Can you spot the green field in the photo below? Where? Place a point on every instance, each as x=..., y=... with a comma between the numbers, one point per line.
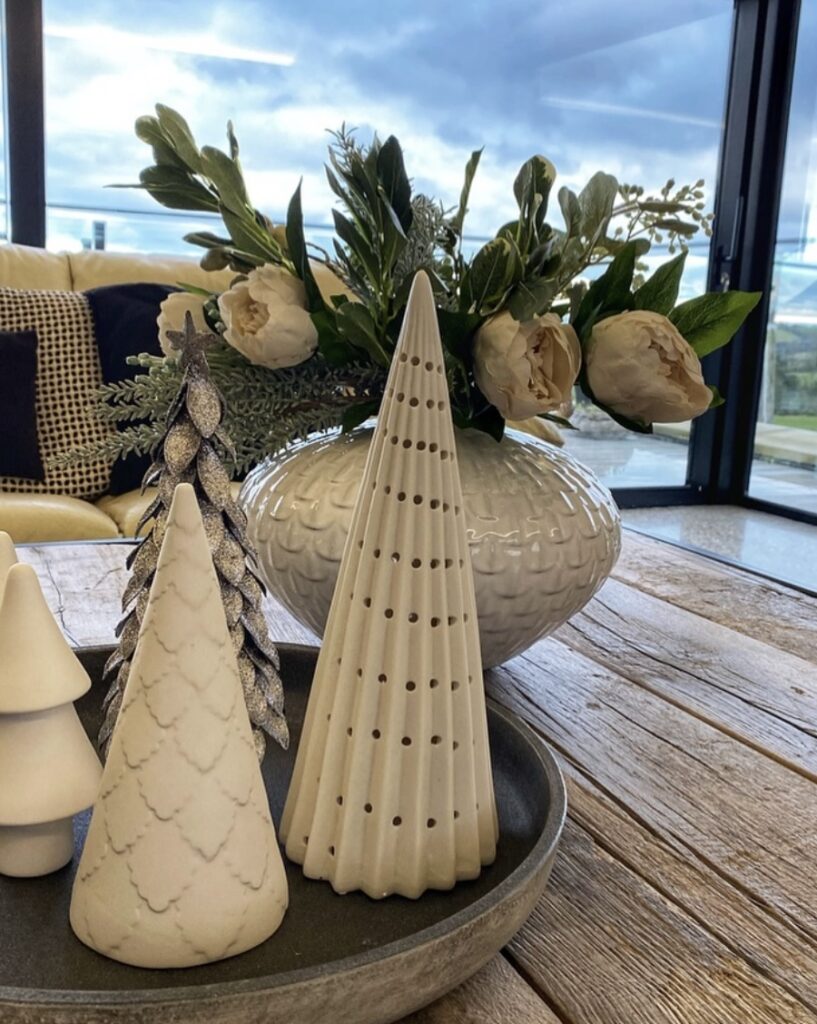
x=800, y=422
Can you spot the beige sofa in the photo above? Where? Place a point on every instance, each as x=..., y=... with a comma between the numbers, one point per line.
x=31, y=518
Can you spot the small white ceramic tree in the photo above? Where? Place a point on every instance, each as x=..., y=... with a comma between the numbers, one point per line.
x=392, y=790
x=49, y=770
x=8, y=558
x=181, y=865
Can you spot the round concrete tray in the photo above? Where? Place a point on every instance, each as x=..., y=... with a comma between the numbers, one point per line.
x=344, y=959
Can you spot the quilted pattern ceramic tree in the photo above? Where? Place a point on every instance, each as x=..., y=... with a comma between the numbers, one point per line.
x=392, y=790
x=181, y=865
x=49, y=770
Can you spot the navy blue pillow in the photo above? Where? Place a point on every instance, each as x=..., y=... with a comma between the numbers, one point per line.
x=19, y=443
x=125, y=324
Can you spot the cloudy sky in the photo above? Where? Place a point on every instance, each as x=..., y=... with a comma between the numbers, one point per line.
x=638, y=92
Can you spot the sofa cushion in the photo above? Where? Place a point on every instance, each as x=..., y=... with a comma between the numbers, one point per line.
x=19, y=446
x=22, y=266
x=67, y=375
x=125, y=325
x=37, y=518
x=92, y=269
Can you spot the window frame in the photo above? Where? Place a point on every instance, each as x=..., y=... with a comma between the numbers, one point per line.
x=750, y=174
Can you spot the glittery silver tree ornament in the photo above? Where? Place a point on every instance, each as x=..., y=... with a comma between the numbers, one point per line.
x=189, y=453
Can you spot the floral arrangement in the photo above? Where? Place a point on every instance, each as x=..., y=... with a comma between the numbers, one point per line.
x=306, y=336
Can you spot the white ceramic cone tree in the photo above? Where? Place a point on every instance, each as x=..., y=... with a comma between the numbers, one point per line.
x=392, y=790
x=181, y=865
x=8, y=558
x=49, y=770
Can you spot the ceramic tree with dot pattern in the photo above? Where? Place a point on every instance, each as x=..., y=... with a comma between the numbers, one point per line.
x=181, y=865
x=392, y=790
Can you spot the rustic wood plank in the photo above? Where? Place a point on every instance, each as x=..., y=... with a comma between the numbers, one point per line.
x=608, y=949
x=769, y=611
x=769, y=945
x=83, y=585
x=749, y=817
x=496, y=995
x=760, y=693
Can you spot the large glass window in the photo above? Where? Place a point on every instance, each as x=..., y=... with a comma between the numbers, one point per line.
x=641, y=97
x=785, y=454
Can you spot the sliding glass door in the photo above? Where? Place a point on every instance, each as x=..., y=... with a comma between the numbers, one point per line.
x=784, y=465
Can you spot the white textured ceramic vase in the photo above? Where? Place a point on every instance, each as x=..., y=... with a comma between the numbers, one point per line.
x=392, y=789
x=543, y=533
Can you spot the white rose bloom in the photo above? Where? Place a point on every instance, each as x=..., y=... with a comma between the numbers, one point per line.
x=526, y=368
x=266, y=318
x=171, y=318
x=640, y=366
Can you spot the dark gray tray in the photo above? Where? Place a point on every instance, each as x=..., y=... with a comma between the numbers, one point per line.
x=335, y=958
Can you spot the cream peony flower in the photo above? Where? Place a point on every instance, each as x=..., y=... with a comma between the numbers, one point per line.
x=171, y=318
x=266, y=319
x=640, y=366
x=526, y=368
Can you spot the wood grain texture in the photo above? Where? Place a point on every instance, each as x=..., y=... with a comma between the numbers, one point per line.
x=609, y=949
x=764, y=695
x=741, y=811
x=765, y=941
x=83, y=584
x=760, y=608
x=496, y=995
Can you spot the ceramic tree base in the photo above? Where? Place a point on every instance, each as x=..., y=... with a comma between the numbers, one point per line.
x=181, y=865
x=27, y=851
x=392, y=789
x=49, y=770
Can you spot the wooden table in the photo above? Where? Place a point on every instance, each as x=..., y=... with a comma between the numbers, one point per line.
x=683, y=706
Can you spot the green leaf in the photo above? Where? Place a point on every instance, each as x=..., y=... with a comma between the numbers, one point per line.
x=296, y=243
x=571, y=211
x=717, y=397
x=678, y=227
x=334, y=349
x=559, y=420
x=176, y=189
x=531, y=298
x=358, y=244
x=596, y=201
x=660, y=292
x=206, y=239
x=491, y=272
x=356, y=325
x=355, y=414
x=470, y=170
x=227, y=178
x=659, y=206
x=711, y=320
x=489, y=421
x=608, y=294
x=532, y=190
x=177, y=130
x=148, y=130
x=233, y=142
x=391, y=173
x=457, y=331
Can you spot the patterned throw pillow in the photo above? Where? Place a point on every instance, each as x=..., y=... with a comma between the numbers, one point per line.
x=67, y=375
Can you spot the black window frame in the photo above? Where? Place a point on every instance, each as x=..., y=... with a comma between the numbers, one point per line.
x=750, y=174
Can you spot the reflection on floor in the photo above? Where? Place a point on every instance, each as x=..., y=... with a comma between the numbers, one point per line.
x=643, y=460
x=772, y=545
